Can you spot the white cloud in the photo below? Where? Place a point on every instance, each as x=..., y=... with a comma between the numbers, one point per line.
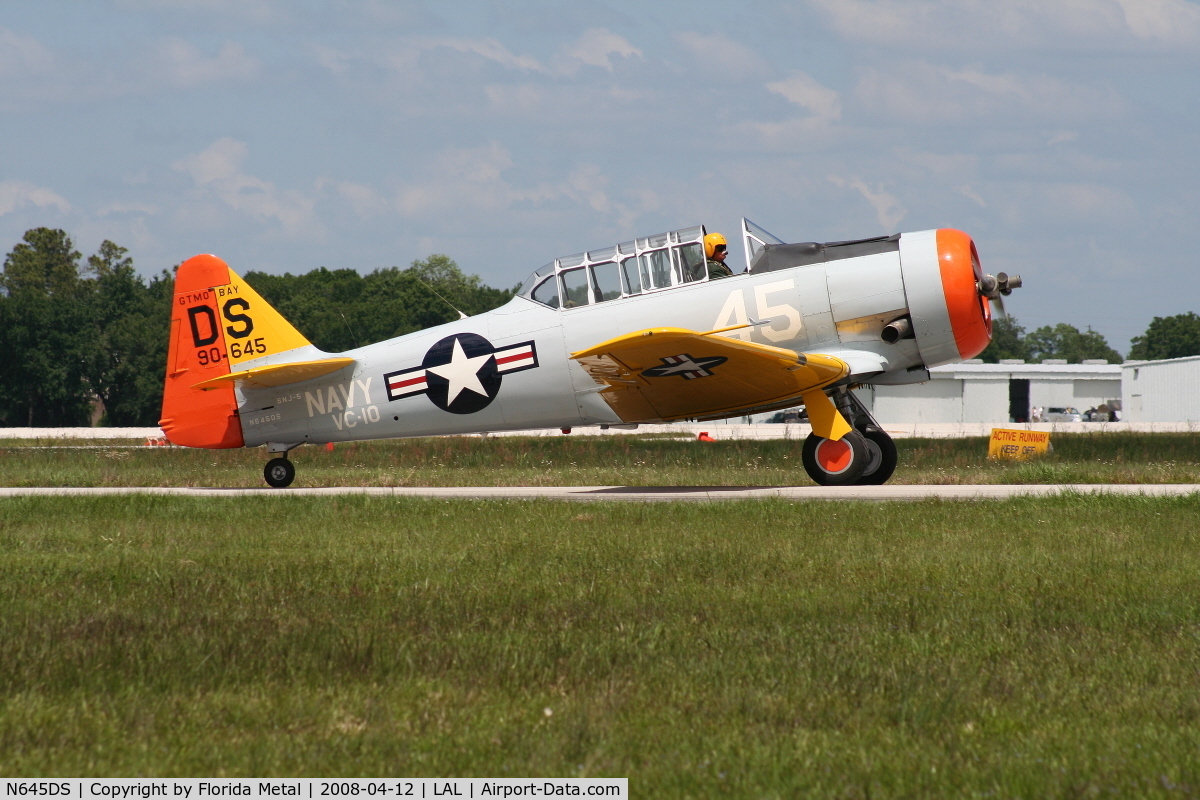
x=467, y=176
x=522, y=84
x=944, y=166
x=925, y=93
x=1170, y=21
x=221, y=160
x=129, y=230
x=595, y=48
x=984, y=24
x=824, y=107
x=19, y=194
x=718, y=54
x=126, y=208
x=888, y=210
x=184, y=65
x=217, y=173
x=331, y=59
x=641, y=201
x=459, y=180
x=514, y=97
x=489, y=49
x=1088, y=202
x=22, y=55
x=251, y=10
x=968, y=191
x=787, y=135
x=804, y=91
x=402, y=57
x=1061, y=137
x=478, y=165
x=477, y=179
x=587, y=184
x=364, y=200
x=32, y=75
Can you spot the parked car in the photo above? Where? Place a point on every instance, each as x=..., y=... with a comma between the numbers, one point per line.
x=1062, y=414
x=1105, y=413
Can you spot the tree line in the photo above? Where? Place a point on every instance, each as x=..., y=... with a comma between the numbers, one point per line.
x=1166, y=337
x=85, y=337
x=85, y=340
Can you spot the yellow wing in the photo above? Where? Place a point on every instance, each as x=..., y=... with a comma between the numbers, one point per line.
x=674, y=373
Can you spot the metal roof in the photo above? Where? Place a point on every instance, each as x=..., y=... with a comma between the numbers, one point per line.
x=968, y=371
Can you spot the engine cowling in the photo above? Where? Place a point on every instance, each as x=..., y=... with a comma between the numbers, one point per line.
x=951, y=316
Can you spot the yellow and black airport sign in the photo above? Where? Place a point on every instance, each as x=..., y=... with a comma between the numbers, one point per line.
x=1017, y=444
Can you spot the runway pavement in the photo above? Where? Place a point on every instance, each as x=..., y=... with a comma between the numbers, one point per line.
x=647, y=493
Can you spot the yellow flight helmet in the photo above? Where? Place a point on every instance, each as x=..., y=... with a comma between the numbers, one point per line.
x=710, y=243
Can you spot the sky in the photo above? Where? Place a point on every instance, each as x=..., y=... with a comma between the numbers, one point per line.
x=285, y=135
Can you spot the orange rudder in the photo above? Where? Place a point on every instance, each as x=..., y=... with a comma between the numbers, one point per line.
x=197, y=417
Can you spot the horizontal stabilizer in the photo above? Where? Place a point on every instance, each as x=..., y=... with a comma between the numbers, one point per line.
x=278, y=374
x=219, y=325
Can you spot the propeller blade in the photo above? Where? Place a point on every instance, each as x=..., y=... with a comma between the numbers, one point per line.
x=998, y=304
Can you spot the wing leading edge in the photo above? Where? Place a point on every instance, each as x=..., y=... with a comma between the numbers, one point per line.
x=673, y=373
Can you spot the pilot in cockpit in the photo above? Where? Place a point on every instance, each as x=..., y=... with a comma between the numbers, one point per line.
x=715, y=250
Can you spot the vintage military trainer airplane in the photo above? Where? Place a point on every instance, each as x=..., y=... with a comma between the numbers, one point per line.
x=645, y=331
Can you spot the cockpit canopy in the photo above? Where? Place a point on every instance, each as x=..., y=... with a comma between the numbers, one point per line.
x=647, y=264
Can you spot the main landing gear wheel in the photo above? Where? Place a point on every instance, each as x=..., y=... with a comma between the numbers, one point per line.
x=279, y=472
x=839, y=463
x=882, y=462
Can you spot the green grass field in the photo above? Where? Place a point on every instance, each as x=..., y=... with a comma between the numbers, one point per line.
x=1027, y=648
x=621, y=460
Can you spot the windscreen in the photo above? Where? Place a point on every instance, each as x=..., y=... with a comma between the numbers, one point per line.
x=754, y=239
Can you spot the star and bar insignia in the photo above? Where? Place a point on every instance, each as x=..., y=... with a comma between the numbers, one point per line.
x=461, y=373
x=685, y=366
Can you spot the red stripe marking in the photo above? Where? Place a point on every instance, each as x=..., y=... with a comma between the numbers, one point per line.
x=409, y=382
x=518, y=357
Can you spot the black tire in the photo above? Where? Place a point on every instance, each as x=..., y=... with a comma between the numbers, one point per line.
x=839, y=463
x=882, y=462
x=279, y=472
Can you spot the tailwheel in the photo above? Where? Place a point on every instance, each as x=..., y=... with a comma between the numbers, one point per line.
x=279, y=472
x=839, y=463
x=882, y=461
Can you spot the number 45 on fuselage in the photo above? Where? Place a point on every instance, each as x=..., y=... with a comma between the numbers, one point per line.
x=638, y=332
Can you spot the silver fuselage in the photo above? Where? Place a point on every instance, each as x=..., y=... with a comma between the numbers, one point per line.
x=824, y=308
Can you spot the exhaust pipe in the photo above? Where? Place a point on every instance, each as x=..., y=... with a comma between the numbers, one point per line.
x=897, y=329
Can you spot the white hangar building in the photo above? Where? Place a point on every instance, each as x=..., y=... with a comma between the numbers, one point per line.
x=1006, y=392
x=1161, y=391
x=1166, y=391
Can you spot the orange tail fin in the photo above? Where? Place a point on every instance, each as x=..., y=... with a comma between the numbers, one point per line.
x=194, y=417
x=218, y=323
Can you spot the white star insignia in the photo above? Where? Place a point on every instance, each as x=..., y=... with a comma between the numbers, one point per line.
x=462, y=373
x=687, y=365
